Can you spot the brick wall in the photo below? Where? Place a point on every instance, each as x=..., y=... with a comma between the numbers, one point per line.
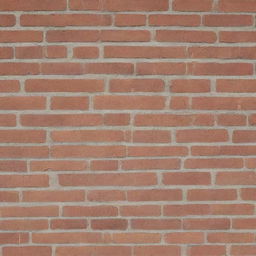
x=127, y=127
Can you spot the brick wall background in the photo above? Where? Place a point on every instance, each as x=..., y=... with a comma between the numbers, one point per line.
x=127, y=127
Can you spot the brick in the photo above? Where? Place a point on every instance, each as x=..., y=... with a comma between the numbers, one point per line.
x=90, y=250
x=63, y=20
x=225, y=20
x=104, y=165
x=190, y=86
x=92, y=211
x=55, y=51
x=237, y=6
x=156, y=224
x=9, y=86
x=52, y=165
x=244, y=249
x=151, y=136
x=6, y=52
x=192, y=5
x=13, y=238
x=29, y=52
x=151, y=164
x=7, y=20
x=207, y=224
x=22, y=103
x=22, y=136
x=185, y=36
x=34, y=211
x=88, y=52
x=12, y=181
x=106, y=195
x=163, y=250
x=135, y=238
x=13, y=166
x=109, y=68
x=9, y=196
x=129, y=20
x=53, y=196
x=241, y=223
x=18, y=69
x=244, y=136
x=87, y=151
x=144, y=52
x=236, y=86
x=69, y=103
x=125, y=36
x=45, y=120
x=174, y=20
x=187, y=178
x=21, y=36
x=66, y=238
x=231, y=120
x=116, y=119
x=200, y=250
x=250, y=163
x=237, y=36
x=118, y=179
x=214, y=163
x=232, y=209
x=22, y=224
x=143, y=210
x=211, y=194
x=225, y=237
x=218, y=69
x=184, y=238
x=248, y=193
x=24, y=152
x=27, y=250
x=109, y=224
x=68, y=224
x=7, y=120
x=72, y=36
x=160, y=68
x=236, y=178
x=154, y=195
x=128, y=102
x=88, y=135
x=186, y=210
x=179, y=102
x=84, y=5
x=64, y=85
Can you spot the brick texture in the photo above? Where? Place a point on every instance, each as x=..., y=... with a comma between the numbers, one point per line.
x=127, y=128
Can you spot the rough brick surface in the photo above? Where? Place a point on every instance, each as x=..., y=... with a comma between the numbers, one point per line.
x=127, y=127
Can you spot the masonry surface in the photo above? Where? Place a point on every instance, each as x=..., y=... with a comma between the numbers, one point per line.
x=127, y=128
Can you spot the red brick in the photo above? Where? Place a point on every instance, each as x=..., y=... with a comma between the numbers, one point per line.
x=128, y=102
x=128, y=20
x=237, y=36
x=151, y=136
x=29, y=52
x=13, y=238
x=106, y=195
x=86, y=52
x=156, y=224
x=22, y=136
x=70, y=103
x=12, y=181
x=109, y=68
x=244, y=136
x=9, y=196
x=187, y=178
x=174, y=20
x=63, y=20
x=142, y=210
x=22, y=224
x=104, y=165
x=45, y=120
x=113, y=179
x=7, y=20
x=201, y=250
x=163, y=250
x=56, y=51
x=135, y=238
x=223, y=20
x=184, y=238
x=125, y=36
x=154, y=195
x=160, y=68
x=186, y=210
x=52, y=165
x=231, y=120
x=24, y=152
x=144, y=52
x=225, y=237
x=109, y=224
x=236, y=178
x=211, y=194
x=13, y=166
x=9, y=86
x=14, y=36
x=53, y=196
x=190, y=86
x=90, y=250
x=244, y=223
x=188, y=36
x=206, y=224
x=232, y=209
x=27, y=250
x=18, y=69
x=248, y=193
x=218, y=69
x=64, y=85
x=72, y=36
x=7, y=120
x=68, y=224
x=117, y=119
x=6, y=52
x=92, y=211
x=237, y=5
x=34, y=211
x=84, y=5
x=193, y=5
x=245, y=250
x=236, y=85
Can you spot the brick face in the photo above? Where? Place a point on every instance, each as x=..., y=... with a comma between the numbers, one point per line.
x=127, y=127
